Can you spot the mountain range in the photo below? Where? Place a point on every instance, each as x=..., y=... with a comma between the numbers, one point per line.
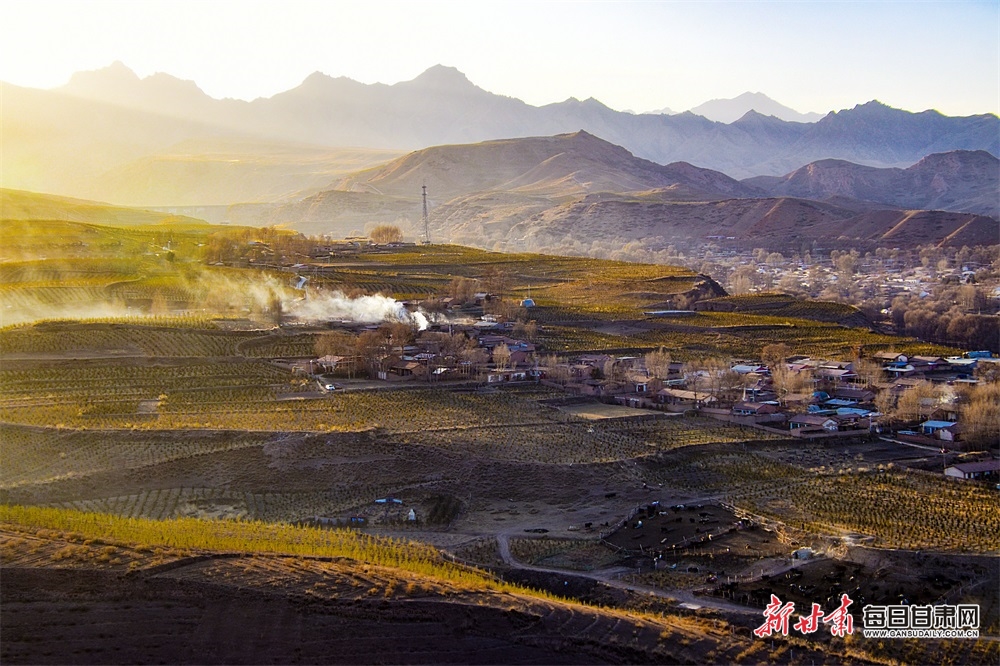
x=565, y=192
x=113, y=136
x=327, y=157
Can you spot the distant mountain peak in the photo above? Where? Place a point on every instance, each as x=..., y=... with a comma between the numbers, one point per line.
x=316, y=77
x=117, y=84
x=665, y=111
x=730, y=110
x=583, y=136
x=875, y=107
x=117, y=73
x=753, y=116
x=316, y=80
x=443, y=76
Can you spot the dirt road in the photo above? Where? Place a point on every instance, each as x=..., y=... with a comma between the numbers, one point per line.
x=611, y=578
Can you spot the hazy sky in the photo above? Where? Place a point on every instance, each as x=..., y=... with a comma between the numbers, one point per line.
x=810, y=55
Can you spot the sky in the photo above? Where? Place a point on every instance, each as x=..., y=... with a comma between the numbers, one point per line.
x=811, y=55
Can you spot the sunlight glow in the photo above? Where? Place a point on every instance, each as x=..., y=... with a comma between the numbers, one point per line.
x=812, y=56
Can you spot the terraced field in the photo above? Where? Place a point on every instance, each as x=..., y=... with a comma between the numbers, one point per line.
x=190, y=443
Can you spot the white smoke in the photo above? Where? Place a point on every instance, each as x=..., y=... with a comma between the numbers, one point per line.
x=328, y=306
x=222, y=294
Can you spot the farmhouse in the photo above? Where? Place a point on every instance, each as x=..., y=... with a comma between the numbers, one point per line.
x=753, y=408
x=747, y=369
x=681, y=397
x=973, y=470
x=637, y=381
x=891, y=357
x=927, y=363
x=854, y=395
x=932, y=427
x=503, y=376
x=950, y=434
x=812, y=423
x=835, y=374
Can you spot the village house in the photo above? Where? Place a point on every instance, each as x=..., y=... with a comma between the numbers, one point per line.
x=974, y=470
x=835, y=372
x=951, y=433
x=505, y=376
x=750, y=369
x=931, y=427
x=754, y=408
x=887, y=358
x=680, y=399
x=854, y=395
x=637, y=381
x=927, y=364
x=812, y=423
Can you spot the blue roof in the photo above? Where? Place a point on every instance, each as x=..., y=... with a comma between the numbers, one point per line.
x=853, y=411
x=938, y=424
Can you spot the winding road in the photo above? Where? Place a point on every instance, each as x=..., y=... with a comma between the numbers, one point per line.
x=611, y=578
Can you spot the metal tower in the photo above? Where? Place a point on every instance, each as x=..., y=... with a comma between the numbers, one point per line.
x=427, y=230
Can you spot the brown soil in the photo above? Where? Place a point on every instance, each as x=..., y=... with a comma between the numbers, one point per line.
x=273, y=609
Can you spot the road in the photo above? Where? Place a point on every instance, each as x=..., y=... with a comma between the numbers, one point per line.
x=611, y=578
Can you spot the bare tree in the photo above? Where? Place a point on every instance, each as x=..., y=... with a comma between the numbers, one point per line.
x=774, y=355
x=869, y=372
x=695, y=378
x=785, y=380
x=371, y=348
x=501, y=357
x=658, y=363
x=338, y=343
x=386, y=233
x=980, y=423
x=462, y=289
x=525, y=331
x=474, y=358
x=885, y=403
x=918, y=402
x=555, y=369
x=400, y=333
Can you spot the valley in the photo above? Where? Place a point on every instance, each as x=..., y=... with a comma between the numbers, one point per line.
x=491, y=503
x=420, y=373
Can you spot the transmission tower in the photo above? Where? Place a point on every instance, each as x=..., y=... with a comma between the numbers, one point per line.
x=427, y=229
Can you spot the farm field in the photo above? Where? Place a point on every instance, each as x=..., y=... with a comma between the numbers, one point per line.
x=408, y=608
x=173, y=401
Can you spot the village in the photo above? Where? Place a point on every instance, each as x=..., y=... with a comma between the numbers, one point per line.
x=920, y=401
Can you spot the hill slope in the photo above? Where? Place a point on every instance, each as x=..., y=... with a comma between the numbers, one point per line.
x=567, y=192
x=961, y=180
x=783, y=224
x=20, y=205
x=109, y=151
x=555, y=166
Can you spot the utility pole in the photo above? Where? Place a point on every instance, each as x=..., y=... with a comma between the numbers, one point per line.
x=427, y=231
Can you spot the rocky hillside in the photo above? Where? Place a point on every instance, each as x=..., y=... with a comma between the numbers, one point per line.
x=781, y=224
x=960, y=180
x=564, y=165
x=567, y=192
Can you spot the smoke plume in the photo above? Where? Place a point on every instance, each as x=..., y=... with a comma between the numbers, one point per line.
x=329, y=306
